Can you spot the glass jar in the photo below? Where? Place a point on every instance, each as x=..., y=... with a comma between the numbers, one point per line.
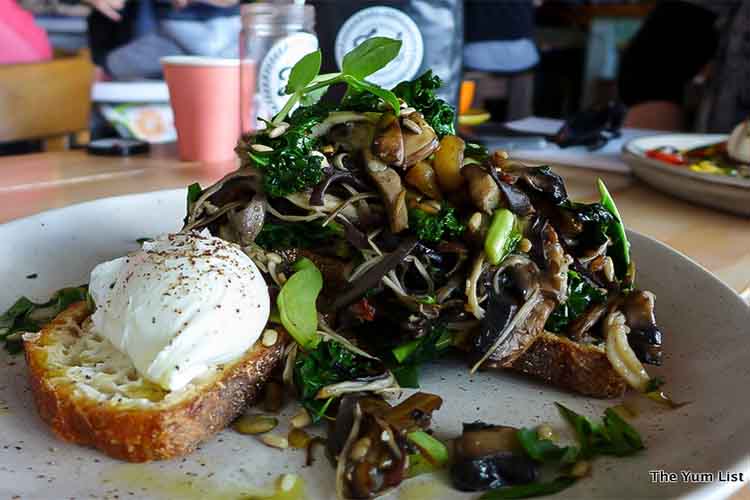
x=274, y=37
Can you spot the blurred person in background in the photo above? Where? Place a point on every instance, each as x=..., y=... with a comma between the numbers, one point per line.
x=127, y=38
x=21, y=40
x=679, y=41
x=499, y=41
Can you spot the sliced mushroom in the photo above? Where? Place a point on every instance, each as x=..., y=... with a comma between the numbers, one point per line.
x=419, y=146
x=422, y=176
x=391, y=189
x=248, y=222
x=582, y=325
x=369, y=440
x=352, y=137
x=483, y=190
x=645, y=338
x=388, y=143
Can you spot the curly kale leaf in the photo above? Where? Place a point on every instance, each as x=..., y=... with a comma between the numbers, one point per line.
x=420, y=94
x=289, y=167
x=27, y=316
x=432, y=228
x=581, y=295
x=329, y=363
x=295, y=235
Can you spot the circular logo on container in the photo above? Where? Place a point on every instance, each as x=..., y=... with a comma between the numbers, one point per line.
x=275, y=68
x=391, y=23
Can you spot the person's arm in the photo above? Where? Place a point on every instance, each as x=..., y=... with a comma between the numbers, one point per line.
x=674, y=43
x=110, y=8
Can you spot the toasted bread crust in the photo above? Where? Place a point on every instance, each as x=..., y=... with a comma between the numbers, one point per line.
x=570, y=365
x=140, y=435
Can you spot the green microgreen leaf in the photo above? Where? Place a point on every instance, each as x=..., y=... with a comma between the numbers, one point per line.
x=370, y=56
x=296, y=303
x=304, y=72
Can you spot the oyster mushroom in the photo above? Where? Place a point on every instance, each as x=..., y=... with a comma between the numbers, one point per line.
x=369, y=440
x=247, y=222
x=483, y=189
x=391, y=189
x=388, y=143
x=419, y=146
x=644, y=338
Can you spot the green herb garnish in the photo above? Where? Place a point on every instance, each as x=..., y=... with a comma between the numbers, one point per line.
x=296, y=235
x=328, y=363
x=613, y=436
x=421, y=95
x=28, y=316
x=581, y=296
x=530, y=490
x=432, y=228
x=296, y=303
x=414, y=353
x=620, y=245
x=306, y=84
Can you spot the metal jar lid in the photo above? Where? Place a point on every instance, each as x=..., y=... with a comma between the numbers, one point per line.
x=267, y=17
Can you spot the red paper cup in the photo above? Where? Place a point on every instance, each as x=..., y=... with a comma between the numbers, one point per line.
x=205, y=97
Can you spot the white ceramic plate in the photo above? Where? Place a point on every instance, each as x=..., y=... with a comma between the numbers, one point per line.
x=716, y=191
x=707, y=346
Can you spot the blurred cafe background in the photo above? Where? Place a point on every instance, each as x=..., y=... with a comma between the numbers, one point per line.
x=73, y=71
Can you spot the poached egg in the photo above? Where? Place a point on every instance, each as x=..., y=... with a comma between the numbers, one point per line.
x=180, y=306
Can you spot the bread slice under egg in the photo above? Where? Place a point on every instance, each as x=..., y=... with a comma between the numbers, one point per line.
x=91, y=394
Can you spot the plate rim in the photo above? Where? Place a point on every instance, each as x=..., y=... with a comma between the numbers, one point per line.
x=698, y=491
x=631, y=151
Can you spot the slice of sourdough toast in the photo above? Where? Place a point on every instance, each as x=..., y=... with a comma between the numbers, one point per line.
x=583, y=368
x=91, y=394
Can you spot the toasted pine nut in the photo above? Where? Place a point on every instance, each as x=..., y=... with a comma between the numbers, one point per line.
x=407, y=111
x=609, y=269
x=261, y=148
x=301, y=419
x=269, y=337
x=275, y=441
x=287, y=482
x=411, y=126
x=278, y=130
x=545, y=431
x=298, y=438
x=255, y=424
x=581, y=469
x=524, y=245
x=360, y=449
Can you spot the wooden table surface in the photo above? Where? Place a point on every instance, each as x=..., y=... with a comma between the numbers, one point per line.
x=33, y=183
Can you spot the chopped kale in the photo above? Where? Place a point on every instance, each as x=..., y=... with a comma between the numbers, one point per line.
x=421, y=95
x=432, y=228
x=581, y=295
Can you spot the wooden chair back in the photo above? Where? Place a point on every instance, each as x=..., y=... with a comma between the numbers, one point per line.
x=49, y=100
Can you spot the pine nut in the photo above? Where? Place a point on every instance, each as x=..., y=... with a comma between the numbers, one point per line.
x=275, y=441
x=301, y=419
x=407, y=111
x=359, y=449
x=580, y=469
x=278, y=130
x=269, y=337
x=255, y=424
x=261, y=148
x=609, y=269
x=545, y=431
x=298, y=438
x=287, y=482
x=411, y=125
x=524, y=245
